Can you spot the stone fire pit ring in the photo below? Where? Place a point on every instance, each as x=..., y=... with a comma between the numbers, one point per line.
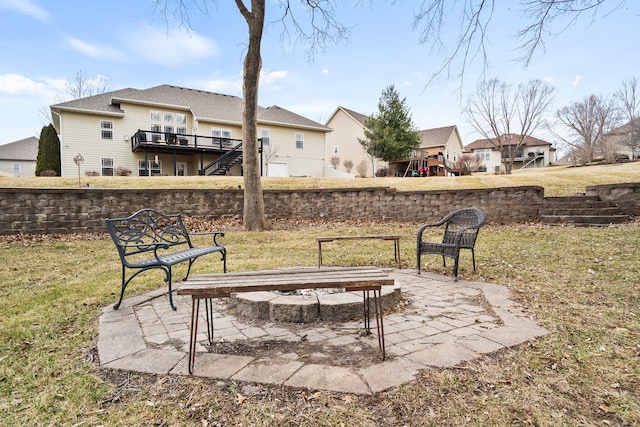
x=333, y=307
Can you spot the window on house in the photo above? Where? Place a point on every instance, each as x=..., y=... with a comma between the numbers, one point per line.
x=156, y=116
x=152, y=168
x=265, y=134
x=181, y=119
x=155, y=136
x=181, y=130
x=221, y=136
x=16, y=169
x=299, y=140
x=106, y=129
x=107, y=166
x=168, y=117
x=483, y=154
x=335, y=149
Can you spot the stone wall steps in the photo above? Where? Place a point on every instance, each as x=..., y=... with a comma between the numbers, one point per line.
x=585, y=211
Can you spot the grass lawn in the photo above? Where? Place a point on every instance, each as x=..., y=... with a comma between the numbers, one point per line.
x=559, y=180
x=582, y=284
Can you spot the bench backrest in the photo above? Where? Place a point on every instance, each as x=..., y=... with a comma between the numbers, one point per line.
x=143, y=230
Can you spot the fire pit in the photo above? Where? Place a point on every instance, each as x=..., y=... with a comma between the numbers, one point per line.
x=308, y=306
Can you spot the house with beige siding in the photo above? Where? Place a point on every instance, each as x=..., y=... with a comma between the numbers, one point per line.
x=438, y=154
x=439, y=149
x=344, y=142
x=175, y=131
x=19, y=158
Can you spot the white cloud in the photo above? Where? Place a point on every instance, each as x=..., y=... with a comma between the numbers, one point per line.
x=92, y=50
x=232, y=86
x=577, y=80
x=26, y=7
x=325, y=71
x=270, y=77
x=16, y=83
x=173, y=48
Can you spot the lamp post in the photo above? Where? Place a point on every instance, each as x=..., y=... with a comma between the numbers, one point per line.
x=78, y=160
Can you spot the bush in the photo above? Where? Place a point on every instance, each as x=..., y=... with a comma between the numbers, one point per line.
x=48, y=152
x=123, y=171
x=48, y=172
x=92, y=173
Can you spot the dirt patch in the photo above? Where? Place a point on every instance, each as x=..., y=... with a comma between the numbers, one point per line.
x=354, y=355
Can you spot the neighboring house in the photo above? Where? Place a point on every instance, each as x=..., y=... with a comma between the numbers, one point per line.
x=623, y=141
x=176, y=131
x=343, y=142
x=439, y=150
x=534, y=153
x=19, y=158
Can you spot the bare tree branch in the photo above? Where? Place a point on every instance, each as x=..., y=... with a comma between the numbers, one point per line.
x=475, y=16
x=322, y=29
x=492, y=109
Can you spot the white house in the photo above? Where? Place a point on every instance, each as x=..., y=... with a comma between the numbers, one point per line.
x=176, y=131
x=19, y=158
x=533, y=153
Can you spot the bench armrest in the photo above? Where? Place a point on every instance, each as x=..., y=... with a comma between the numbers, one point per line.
x=215, y=235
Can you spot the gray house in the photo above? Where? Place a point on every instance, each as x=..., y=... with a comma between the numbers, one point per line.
x=19, y=158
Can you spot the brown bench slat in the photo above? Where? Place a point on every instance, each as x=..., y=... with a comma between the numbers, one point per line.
x=211, y=285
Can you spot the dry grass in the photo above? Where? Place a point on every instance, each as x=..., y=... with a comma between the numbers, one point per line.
x=583, y=285
x=555, y=180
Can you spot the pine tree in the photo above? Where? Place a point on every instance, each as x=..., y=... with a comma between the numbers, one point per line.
x=48, y=151
x=390, y=134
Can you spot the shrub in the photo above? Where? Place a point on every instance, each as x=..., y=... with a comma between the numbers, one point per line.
x=48, y=172
x=91, y=173
x=123, y=171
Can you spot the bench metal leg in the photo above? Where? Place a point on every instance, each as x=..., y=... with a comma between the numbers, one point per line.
x=195, y=311
x=377, y=296
x=377, y=301
x=208, y=304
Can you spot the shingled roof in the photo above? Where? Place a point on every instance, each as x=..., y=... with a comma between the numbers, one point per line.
x=529, y=141
x=202, y=104
x=437, y=137
x=24, y=149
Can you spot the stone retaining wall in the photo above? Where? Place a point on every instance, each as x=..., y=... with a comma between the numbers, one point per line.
x=626, y=196
x=38, y=211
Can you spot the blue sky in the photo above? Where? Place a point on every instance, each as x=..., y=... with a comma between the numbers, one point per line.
x=45, y=43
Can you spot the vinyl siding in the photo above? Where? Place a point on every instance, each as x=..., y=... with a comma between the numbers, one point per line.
x=308, y=161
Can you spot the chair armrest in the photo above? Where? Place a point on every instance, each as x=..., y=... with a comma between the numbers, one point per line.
x=424, y=227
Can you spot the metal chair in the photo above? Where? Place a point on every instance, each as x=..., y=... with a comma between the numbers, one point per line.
x=460, y=232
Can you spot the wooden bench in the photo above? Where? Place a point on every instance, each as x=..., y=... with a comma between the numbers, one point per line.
x=394, y=239
x=210, y=286
x=149, y=232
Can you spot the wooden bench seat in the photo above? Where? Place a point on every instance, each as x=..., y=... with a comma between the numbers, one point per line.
x=210, y=286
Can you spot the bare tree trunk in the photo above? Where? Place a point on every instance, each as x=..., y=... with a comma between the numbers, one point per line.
x=254, y=215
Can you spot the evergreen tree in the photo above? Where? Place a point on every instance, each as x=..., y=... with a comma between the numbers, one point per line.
x=390, y=134
x=48, y=151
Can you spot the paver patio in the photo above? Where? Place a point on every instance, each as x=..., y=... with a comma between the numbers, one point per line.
x=444, y=324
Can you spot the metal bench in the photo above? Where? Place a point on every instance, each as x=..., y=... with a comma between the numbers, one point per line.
x=287, y=279
x=149, y=232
